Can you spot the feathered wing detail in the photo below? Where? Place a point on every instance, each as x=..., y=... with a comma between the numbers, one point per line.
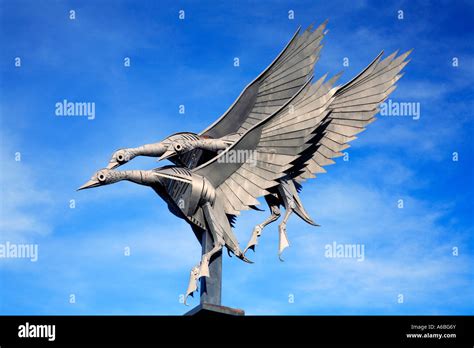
x=267, y=149
x=353, y=108
x=277, y=84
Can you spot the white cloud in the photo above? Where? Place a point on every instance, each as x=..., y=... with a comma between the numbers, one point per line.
x=24, y=206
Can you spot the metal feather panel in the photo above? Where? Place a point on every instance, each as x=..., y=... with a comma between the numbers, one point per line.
x=273, y=157
x=352, y=109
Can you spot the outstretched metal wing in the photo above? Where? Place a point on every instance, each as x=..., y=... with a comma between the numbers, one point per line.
x=254, y=163
x=273, y=87
x=352, y=109
x=302, y=136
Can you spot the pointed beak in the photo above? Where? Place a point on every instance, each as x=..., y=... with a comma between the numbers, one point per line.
x=91, y=183
x=167, y=154
x=112, y=164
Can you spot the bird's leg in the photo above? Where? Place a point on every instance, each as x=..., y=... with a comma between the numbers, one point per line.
x=283, y=239
x=202, y=269
x=217, y=237
x=206, y=258
x=286, y=192
x=257, y=231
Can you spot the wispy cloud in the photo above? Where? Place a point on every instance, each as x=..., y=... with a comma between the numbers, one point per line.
x=24, y=206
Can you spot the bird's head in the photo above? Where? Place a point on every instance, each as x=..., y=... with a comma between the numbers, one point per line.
x=120, y=157
x=177, y=148
x=154, y=177
x=178, y=144
x=100, y=178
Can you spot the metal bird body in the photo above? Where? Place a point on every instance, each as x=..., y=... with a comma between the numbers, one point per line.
x=187, y=149
x=190, y=197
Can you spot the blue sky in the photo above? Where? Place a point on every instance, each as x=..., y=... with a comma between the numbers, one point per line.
x=408, y=251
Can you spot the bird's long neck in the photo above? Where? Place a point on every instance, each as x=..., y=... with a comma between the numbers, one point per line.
x=212, y=144
x=151, y=150
x=142, y=177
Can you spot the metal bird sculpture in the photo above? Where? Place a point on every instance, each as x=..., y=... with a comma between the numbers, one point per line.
x=289, y=129
x=277, y=84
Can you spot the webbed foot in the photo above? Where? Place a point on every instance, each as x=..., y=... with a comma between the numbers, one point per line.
x=283, y=240
x=257, y=232
x=193, y=283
